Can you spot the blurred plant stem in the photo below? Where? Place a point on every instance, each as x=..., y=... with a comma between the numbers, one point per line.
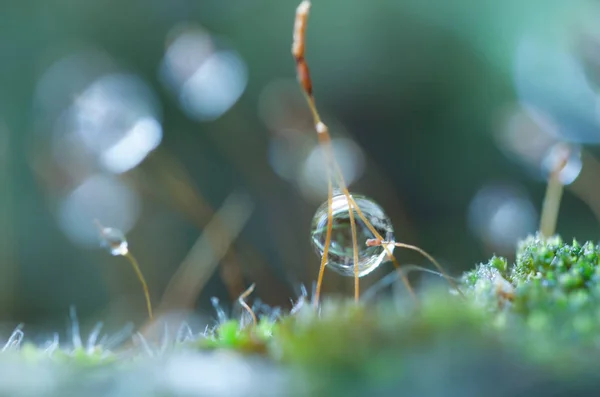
x=205, y=255
x=189, y=200
x=136, y=267
x=182, y=194
x=243, y=146
x=554, y=192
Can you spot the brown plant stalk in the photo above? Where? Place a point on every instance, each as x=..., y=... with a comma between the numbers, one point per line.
x=332, y=167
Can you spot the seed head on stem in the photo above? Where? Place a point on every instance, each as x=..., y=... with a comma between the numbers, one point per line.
x=115, y=242
x=332, y=167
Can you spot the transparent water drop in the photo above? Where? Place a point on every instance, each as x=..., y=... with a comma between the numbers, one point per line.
x=114, y=240
x=340, y=257
x=567, y=156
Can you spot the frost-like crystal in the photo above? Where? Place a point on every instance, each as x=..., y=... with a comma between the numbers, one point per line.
x=341, y=253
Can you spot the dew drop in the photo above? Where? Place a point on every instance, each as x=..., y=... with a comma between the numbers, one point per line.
x=114, y=241
x=567, y=156
x=341, y=253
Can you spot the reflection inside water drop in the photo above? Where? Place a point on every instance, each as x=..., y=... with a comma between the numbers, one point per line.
x=341, y=253
x=114, y=241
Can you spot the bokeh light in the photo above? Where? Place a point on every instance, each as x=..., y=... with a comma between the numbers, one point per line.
x=281, y=106
x=102, y=198
x=143, y=137
x=287, y=151
x=526, y=141
x=565, y=157
x=313, y=181
x=101, y=119
x=72, y=70
x=207, y=79
x=500, y=214
x=115, y=118
x=551, y=80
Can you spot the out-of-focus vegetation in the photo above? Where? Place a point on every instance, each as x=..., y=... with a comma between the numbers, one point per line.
x=551, y=291
x=524, y=322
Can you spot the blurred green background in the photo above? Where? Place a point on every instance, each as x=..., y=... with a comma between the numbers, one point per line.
x=148, y=115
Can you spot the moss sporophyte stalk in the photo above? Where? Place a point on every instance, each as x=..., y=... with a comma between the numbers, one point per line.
x=552, y=286
x=358, y=222
x=115, y=242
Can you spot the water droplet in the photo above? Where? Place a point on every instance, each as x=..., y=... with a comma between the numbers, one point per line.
x=114, y=240
x=341, y=252
x=567, y=156
x=207, y=78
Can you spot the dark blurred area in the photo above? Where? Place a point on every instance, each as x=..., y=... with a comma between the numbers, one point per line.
x=152, y=116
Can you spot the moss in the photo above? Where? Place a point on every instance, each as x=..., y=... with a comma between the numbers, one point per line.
x=322, y=339
x=231, y=335
x=550, y=296
x=539, y=314
x=534, y=319
x=354, y=350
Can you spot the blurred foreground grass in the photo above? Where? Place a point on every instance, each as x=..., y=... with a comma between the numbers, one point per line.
x=530, y=328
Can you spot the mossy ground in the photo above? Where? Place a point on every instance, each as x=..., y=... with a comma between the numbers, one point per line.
x=528, y=328
x=550, y=295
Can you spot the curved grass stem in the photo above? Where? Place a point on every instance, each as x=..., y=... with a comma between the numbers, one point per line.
x=242, y=301
x=138, y=272
x=383, y=243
